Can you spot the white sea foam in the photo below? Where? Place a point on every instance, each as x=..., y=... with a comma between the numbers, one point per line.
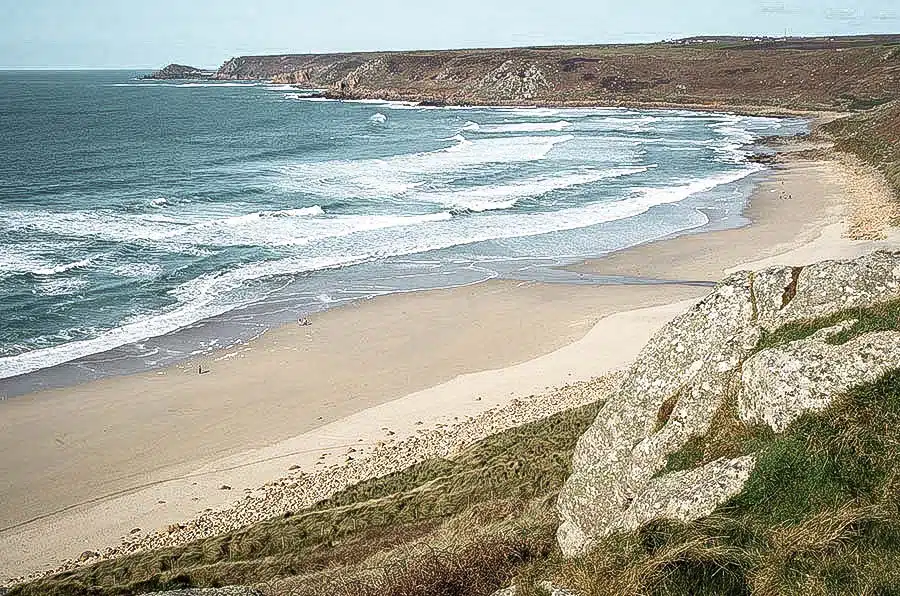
x=305, y=97
x=532, y=112
x=514, y=127
x=58, y=287
x=201, y=300
x=505, y=196
x=735, y=134
x=383, y=102
x=63, y=267
x=183, y=85
x=217, y=293
x=160, y=202
x=188, y=85
x=378, y=118
x=100, y=224
x=396, y=175
x=281, y=233
x=20, y=261
x=137, y=270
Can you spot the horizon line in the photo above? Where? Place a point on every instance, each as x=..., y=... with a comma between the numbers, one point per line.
x=768, y=36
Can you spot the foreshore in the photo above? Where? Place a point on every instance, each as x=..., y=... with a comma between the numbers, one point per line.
x=375, y=386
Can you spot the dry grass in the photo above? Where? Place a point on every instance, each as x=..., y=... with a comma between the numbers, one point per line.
x=874, y=137
x=417, y=519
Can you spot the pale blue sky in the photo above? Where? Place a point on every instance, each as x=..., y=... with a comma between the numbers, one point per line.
x=151, y=33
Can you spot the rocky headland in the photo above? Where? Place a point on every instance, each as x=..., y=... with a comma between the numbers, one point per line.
x=180, y=71
x=787, y=74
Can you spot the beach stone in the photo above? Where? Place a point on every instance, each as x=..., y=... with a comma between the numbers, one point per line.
x=686, y=371
x=88, y=555
x=548, y=587
x=780, y=384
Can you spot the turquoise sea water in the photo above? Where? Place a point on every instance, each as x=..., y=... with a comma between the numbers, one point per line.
x=144, y=221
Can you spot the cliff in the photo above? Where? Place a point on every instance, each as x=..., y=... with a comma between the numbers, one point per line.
x=819, y=74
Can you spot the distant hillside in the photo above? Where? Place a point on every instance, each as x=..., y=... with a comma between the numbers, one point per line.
x=800, y=73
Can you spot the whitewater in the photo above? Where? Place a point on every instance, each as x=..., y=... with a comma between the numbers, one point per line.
x=143, y=222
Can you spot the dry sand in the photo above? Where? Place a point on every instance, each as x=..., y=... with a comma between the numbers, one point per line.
x=83, y=466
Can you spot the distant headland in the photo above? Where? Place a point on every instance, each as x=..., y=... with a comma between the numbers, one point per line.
x=821, y=73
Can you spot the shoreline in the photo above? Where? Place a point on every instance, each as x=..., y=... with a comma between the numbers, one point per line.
x=193, y=338
x=566, y=337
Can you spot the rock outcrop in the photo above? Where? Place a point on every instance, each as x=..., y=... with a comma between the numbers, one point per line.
x=179, y=71
x=693, y=365
x=781, y=384
x=548, y=587
x=514, y=79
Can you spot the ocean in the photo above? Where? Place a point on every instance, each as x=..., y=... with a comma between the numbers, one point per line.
x=142, y=222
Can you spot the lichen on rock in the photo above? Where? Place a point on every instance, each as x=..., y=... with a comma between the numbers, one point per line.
x=616, y=458
x=780, y=384
x=697, y=361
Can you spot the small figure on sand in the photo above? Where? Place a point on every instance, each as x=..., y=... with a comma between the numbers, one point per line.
x=201, y=371
x=304, y=322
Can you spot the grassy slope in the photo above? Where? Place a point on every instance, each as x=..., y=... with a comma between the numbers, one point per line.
x=874, y=137
x=820, y=515
x=494, y=481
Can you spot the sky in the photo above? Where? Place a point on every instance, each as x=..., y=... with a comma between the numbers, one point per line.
x=148, y=34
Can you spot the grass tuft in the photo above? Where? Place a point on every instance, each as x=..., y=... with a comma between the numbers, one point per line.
x=881, y=317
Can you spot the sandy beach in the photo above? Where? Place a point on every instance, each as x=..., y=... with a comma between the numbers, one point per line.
x=394, y=379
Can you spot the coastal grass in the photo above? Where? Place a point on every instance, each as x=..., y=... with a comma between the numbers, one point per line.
x=508, y=481
x=874, y=137
x=820, y=515
x=879, y=317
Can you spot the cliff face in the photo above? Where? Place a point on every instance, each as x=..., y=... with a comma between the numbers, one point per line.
x=874, y=137
x=834, y=73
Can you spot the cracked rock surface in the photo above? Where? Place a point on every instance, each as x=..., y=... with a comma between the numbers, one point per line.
x=684, y=375
x=780, y=384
